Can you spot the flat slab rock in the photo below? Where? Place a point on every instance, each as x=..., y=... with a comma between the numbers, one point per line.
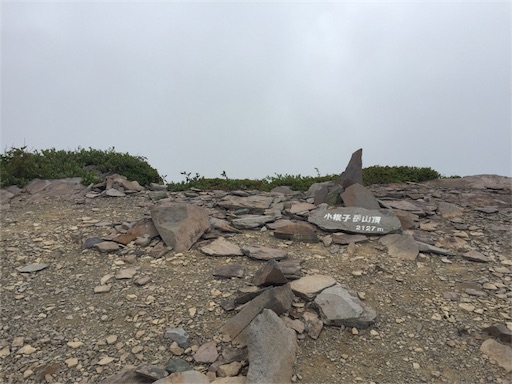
x=338, y=307
x=222, y=247
x=355, y=220
x=308, y=287
x=264, y=253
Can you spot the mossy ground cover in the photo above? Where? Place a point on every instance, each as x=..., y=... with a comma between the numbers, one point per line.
x=18, y=166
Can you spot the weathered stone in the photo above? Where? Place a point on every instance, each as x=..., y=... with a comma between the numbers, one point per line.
x=344, y=239
x=178, y=335
x=180, y=225
x=448, y=210
x=354, y=172
x=230, y=380
x=355, y=220
x=151, y=372
x=358, y=196
x=143, y=228
x=269, y=274
x=107, y=246
x=493, y=209
x=222, y=247
x=475, y=256
x=338, y=307
x=308, y=287
x=278, y=299
x=296, y=324
x=230, y=370
x=252, y=221
x=401, y=246
x=126, y=375
x=142, y=280
x=229, y=270
x=112, y=192
x=500, y=353
x=118, y=180
x=126, y=273
x=104, y=288
x=186, y=377
x=298, y=231
x=255, y=204
x=260, y=252
x=178, y=365
x=408, y=220
x=313, y=324
x=207, y=353
x=91, y=242
x=268, y=364
x=427, y=248
x=403, y=205
x=291, y=268
x=500, y=331
x=249, y=293
x=35, y=267
x=222, y=225
x=297, y=208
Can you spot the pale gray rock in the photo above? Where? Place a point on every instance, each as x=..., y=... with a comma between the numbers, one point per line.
x=297, y=231
x=126, y=273
x=308, y=287
x=30, y=268
x=112, y=192
x=357, y=195
x=107, y=246
x=345, y=239
x=180, y=224
x=313, y=325
x=338, y=307
x=401, y=246
x=207, y=353
x=448, y=210
x=500, y=353
x=252, y=221
x=427, y=248
x=222, y=225
x=297, y=208
x=475, y=256
x=291, y=268
x=222, y=247
x=268, y=364
x=261, y=252
x=255, y=204
x=355, y=220
x=179, y=335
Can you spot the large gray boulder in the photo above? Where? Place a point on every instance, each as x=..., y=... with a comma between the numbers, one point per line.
x=180, y=224
x=272, y=347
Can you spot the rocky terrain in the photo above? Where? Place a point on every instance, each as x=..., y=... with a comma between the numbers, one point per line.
x=80, y=303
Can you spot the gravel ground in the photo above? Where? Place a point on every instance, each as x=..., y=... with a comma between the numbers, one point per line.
x=56, y=329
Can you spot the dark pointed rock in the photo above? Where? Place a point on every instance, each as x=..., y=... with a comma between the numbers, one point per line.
x=354, y=172
x=278, y=299
x=180, y=224
x=269, y=274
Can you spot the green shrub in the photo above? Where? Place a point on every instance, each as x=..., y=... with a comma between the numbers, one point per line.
x=385, y=174
x=19, y=166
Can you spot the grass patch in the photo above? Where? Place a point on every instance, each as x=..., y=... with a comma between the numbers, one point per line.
x=19, y=166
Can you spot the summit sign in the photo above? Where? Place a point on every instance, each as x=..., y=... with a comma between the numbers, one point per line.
x=355, y=220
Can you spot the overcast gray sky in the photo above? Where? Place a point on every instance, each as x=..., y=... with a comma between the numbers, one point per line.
x=261, y=88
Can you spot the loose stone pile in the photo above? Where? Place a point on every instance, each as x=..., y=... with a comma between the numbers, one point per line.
x=280, y=303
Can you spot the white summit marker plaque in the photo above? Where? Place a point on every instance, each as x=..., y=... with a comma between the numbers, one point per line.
x=356, y=220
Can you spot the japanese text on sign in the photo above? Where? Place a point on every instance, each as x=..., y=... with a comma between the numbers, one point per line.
x=353, y=218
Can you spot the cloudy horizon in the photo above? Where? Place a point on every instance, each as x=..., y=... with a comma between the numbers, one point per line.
x=255, y=89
